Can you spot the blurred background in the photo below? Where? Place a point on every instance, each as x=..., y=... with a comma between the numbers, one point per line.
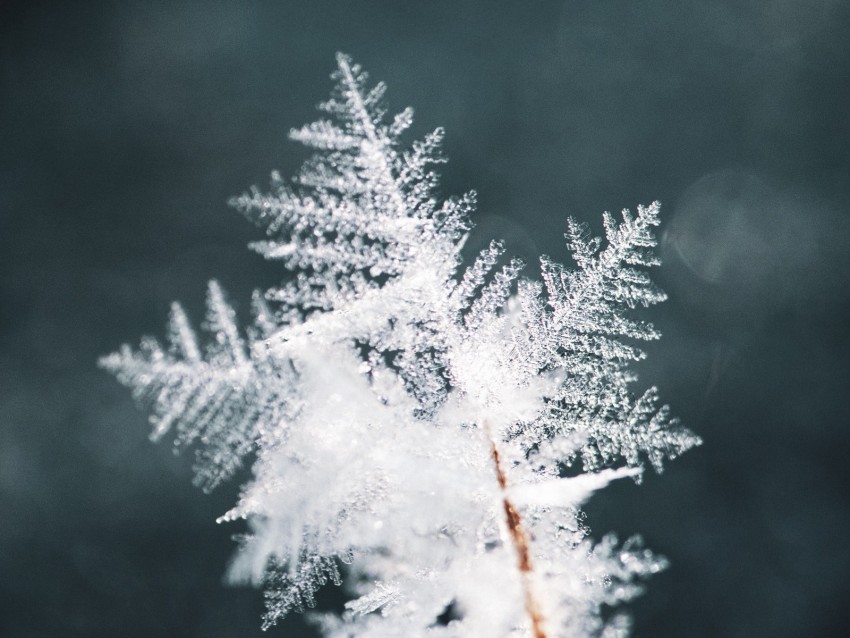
x=125, y=127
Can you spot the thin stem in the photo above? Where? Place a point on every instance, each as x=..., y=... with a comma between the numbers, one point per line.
x=519, y=539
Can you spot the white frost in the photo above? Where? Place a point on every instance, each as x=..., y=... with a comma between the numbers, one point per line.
x=412, y=422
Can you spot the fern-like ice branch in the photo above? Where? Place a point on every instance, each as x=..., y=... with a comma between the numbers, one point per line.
x=411, y=418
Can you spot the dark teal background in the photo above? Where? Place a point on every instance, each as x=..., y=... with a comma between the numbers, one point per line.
x=125, y=127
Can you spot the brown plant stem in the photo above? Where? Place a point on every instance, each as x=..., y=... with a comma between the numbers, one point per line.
x=519, y=539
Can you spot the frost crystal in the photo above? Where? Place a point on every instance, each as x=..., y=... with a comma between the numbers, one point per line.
x=413, y=424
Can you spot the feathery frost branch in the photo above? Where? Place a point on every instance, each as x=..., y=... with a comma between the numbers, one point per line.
x=412, y=422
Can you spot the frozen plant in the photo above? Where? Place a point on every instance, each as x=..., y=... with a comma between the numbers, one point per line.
x=423, y=431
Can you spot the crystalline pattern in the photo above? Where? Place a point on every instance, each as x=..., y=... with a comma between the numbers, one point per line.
x=410, y=419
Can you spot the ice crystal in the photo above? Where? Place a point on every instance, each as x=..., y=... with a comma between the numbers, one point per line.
x=413, y=423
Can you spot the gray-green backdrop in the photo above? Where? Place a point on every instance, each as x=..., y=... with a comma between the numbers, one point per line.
x=124, y=128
